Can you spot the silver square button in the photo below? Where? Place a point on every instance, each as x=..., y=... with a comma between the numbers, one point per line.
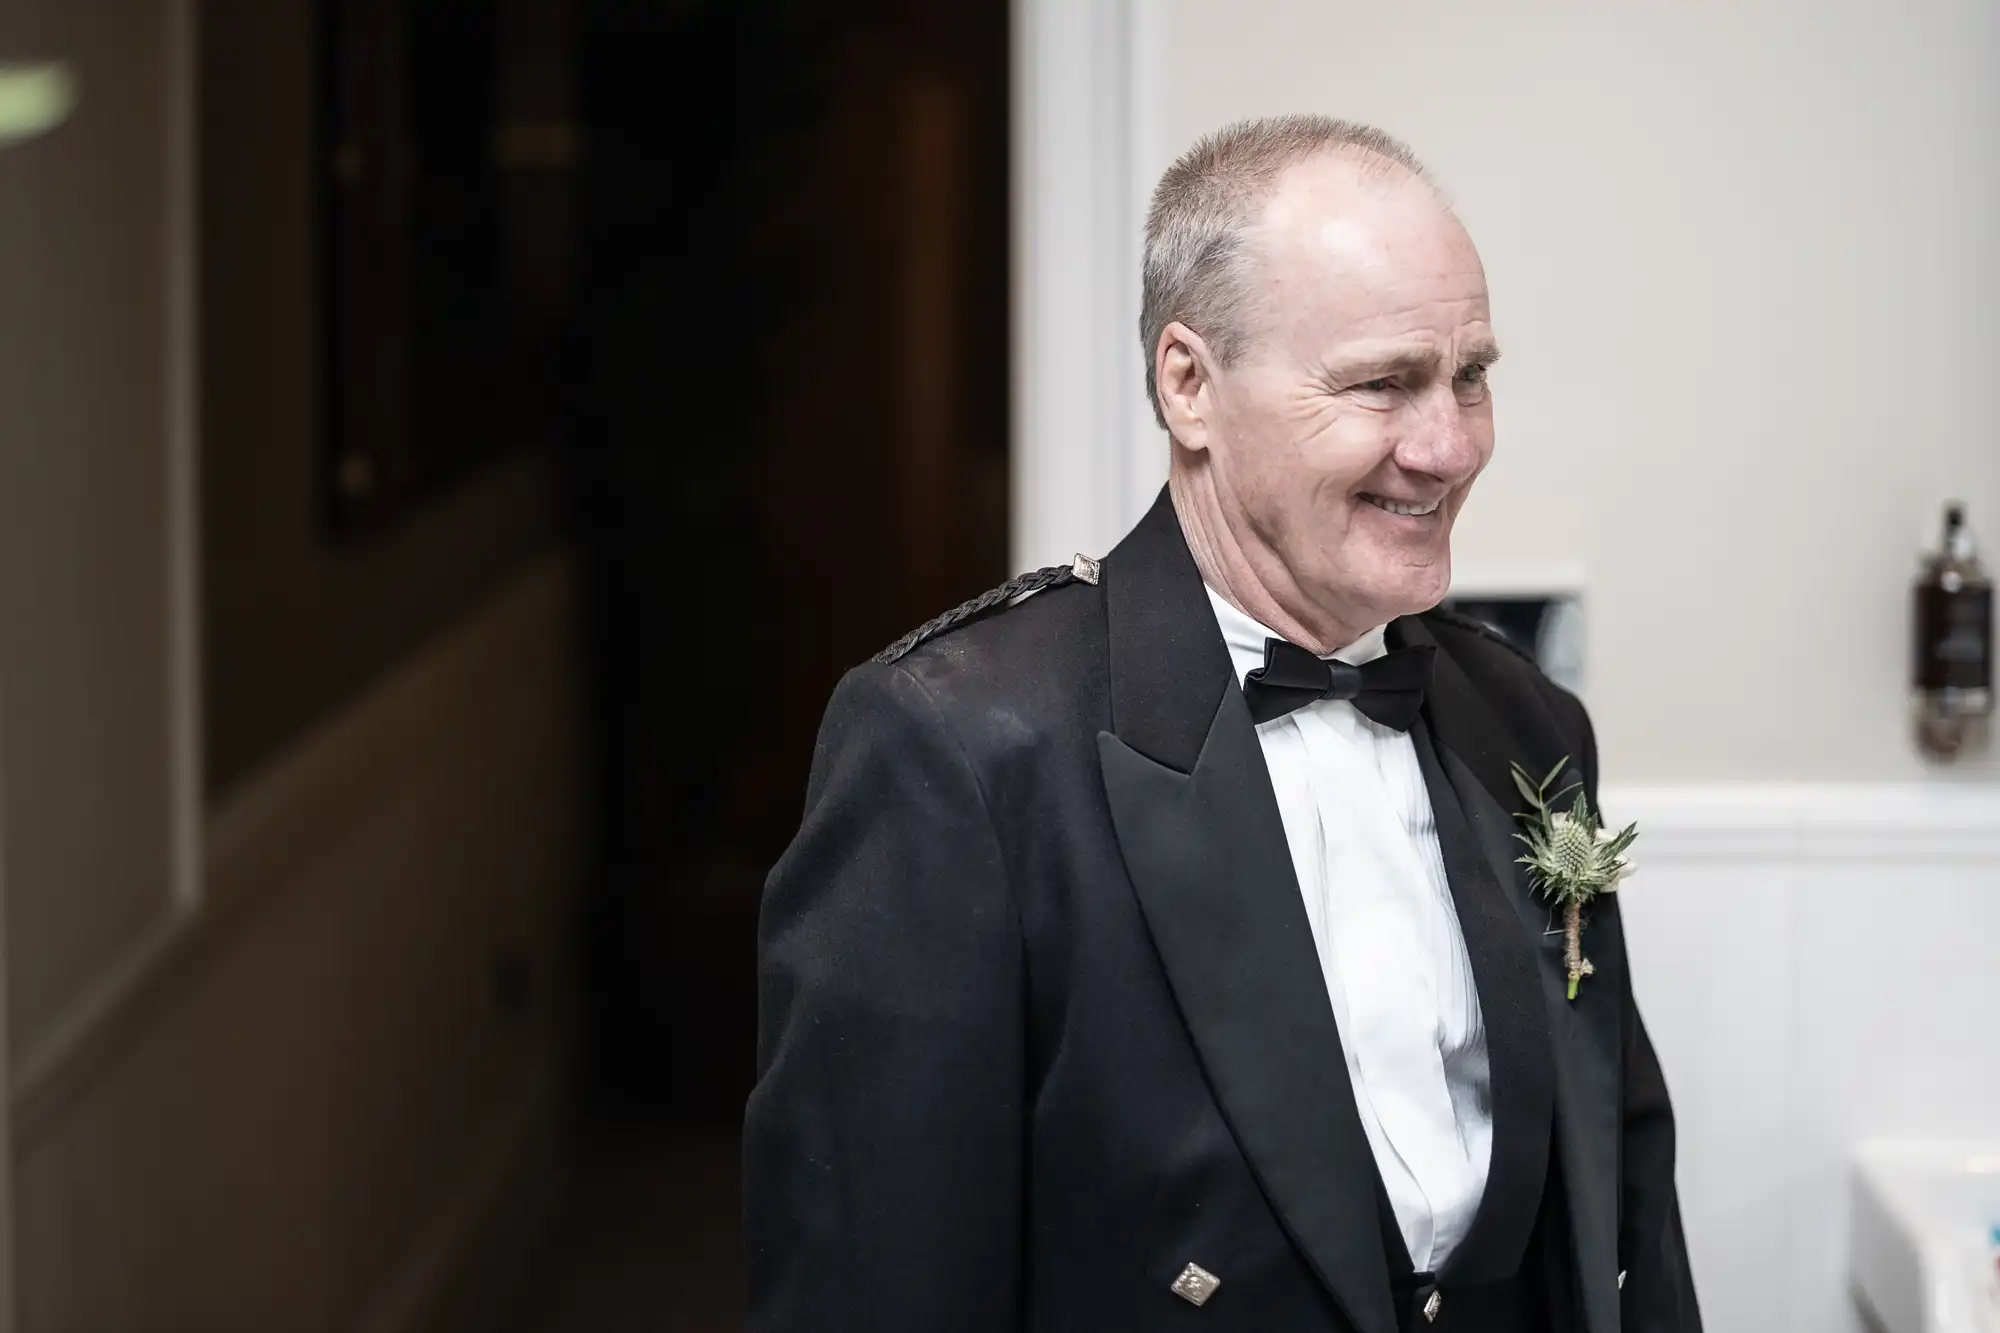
x=1196, y=1284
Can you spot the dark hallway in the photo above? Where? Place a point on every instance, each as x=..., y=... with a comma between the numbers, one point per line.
x=791, y=445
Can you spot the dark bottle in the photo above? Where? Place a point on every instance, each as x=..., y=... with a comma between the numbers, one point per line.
x=1953, y=672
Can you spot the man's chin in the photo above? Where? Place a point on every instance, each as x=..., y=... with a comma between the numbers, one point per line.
x=1406, y=596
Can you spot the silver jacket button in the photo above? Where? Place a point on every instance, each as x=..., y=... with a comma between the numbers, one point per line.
x=1195, y=1285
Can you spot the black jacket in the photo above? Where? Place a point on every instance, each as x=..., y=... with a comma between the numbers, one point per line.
x=1042, y=1020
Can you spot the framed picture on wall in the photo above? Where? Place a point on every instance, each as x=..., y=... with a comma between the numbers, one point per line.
x=446, y=154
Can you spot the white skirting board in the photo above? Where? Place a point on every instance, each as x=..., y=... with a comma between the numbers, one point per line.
x=1817, y=966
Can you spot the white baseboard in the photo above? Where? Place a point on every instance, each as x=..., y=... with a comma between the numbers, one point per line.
x=1905, y=823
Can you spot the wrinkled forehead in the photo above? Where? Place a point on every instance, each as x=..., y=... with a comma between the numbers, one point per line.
x=1334, y=246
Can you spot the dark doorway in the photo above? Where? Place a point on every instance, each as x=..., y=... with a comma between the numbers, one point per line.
x=793, y=447
x=795, y=443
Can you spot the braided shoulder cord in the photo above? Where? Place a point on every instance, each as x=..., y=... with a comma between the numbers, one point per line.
x=1053, y=576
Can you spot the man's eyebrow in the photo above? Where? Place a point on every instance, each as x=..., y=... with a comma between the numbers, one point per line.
x=1381, y=357
x=1384, y=359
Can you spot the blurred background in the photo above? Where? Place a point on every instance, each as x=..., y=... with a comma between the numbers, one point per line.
x=450, y=448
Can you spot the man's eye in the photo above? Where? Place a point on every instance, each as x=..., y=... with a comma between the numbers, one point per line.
x=1377, y=386
x=1474, y=374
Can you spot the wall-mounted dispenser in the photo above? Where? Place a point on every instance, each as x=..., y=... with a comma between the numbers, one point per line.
x=1953, y=671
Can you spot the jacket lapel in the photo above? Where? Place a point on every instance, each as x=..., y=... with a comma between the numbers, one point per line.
x=1205, y=849
x=1474, y=748
x=1502, y=950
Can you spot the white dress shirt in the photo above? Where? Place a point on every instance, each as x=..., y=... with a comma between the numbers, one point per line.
x=1364, y=842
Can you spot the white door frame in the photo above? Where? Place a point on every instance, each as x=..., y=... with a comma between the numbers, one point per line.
x=1087, y=457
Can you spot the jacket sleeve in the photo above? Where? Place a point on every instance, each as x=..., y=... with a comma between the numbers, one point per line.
x=883, y=1142
x=1658, y=1292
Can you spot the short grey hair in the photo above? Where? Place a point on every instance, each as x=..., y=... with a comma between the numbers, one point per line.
x=1195, y=269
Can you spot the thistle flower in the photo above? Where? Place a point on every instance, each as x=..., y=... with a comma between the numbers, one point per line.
x=1571, y=857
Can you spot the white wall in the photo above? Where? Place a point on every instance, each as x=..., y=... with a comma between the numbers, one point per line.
x=1743, y=267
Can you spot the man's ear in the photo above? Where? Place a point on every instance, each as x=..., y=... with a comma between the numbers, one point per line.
x=1183, y=378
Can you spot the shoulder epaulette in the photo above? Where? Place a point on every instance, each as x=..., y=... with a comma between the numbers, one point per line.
x=1081, y=570
x=1485, y=631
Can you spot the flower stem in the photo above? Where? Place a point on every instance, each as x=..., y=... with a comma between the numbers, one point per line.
x=1579, y=966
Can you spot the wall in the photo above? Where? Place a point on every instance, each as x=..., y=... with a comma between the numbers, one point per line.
x=296, y=1062
x=298, y=1109
x=295, y=625
x=94, y=715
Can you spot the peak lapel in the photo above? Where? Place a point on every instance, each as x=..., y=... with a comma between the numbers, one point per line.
x=1503, y=951
x=1474, y=746
x=1205, y=849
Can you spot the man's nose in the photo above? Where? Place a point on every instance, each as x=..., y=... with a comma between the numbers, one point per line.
x=1440, y=442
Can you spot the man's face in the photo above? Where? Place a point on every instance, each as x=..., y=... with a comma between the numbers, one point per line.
x=1348, y=433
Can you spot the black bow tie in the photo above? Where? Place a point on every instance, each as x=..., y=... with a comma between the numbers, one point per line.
x=1388, y=690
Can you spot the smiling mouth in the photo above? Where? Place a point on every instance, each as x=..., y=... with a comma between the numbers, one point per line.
x=1404, y=508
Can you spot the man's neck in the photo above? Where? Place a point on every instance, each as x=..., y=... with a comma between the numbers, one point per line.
x=1257, y=584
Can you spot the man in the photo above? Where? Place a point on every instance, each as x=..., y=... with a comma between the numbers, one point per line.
x=1135, y=967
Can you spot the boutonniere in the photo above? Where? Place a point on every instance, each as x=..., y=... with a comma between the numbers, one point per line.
x=1571, y=857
